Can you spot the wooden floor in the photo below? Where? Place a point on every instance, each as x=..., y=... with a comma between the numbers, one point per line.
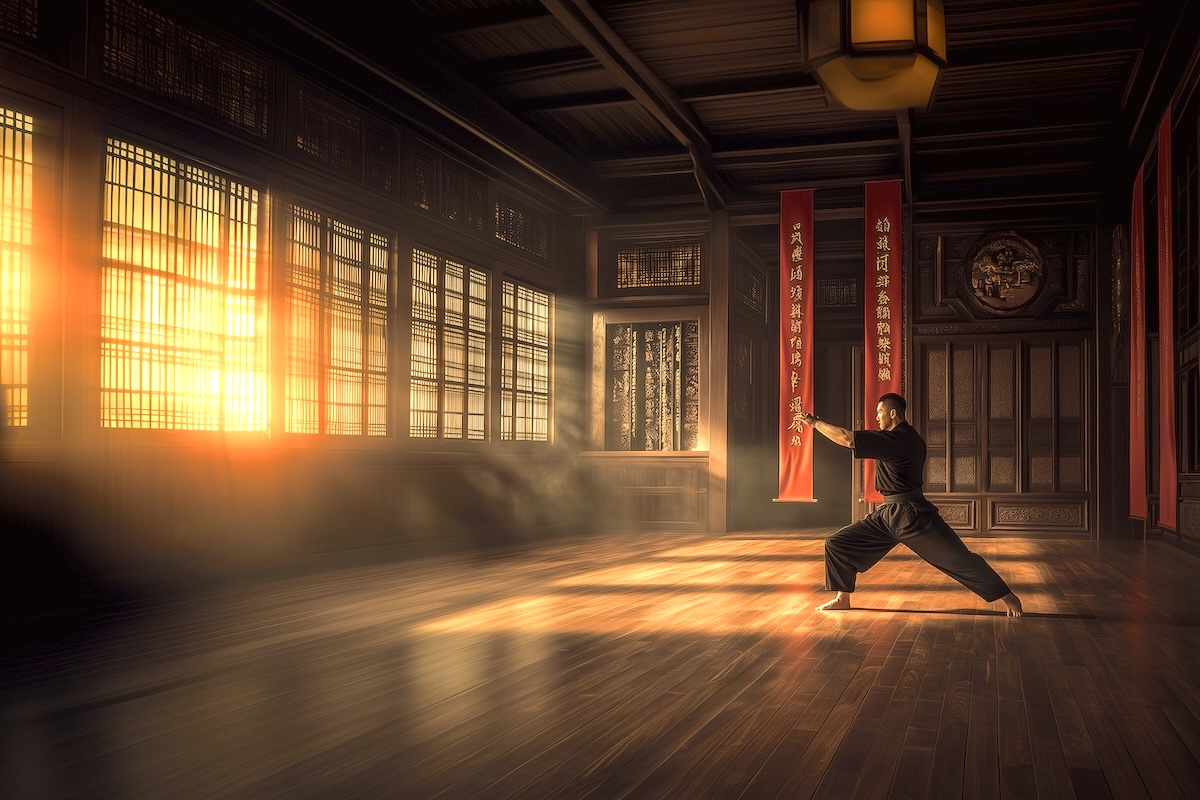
x=648, y=666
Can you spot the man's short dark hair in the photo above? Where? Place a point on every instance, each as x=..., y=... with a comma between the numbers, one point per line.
x=891, y=400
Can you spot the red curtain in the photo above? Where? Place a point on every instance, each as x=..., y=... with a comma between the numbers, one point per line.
x=795, y=344
x=1167, y=468
x=1137, y=355
x=883, y=317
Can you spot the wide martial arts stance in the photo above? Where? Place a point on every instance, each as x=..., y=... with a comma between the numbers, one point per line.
x=905, y=516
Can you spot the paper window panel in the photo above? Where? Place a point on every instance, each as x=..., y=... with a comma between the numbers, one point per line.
x=525, y=370
x=16, y=244
x=448, y=371
x=656, y=265
x=183, y=336
x=338, y=302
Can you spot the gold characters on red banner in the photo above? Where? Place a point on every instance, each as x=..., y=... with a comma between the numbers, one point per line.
x=795, y=354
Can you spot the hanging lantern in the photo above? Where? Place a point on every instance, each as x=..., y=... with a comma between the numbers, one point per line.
x=874, y=55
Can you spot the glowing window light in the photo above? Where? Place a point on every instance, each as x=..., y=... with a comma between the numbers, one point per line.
x=337, y=299
x=183, y=312
x=525, y=368
x=16, y=243
x=448, y=378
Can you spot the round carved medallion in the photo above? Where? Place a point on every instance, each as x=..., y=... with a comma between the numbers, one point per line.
x=1006, y=273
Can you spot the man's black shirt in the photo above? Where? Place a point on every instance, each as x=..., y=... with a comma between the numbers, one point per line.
x=899, y=455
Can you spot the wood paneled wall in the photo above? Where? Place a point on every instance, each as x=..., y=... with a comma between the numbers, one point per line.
x=1005, y=425
x=1001, y=383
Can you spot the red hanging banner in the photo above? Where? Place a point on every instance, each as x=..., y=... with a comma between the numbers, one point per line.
x=1168, y=492
x=883, y=309
x=795, y=344
x=1137, y=354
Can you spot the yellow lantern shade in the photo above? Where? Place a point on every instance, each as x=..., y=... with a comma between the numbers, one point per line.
x=874, y=55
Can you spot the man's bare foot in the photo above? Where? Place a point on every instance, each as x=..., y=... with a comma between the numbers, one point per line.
x=1013, y=603
x=839, y=603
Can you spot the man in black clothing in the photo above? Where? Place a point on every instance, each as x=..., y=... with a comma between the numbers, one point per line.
x=905, y=516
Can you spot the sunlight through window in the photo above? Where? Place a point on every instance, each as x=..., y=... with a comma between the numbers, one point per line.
x=337, y=298
x=16, y=243
x=183, y=318
x=525, y=372
x=449, y=349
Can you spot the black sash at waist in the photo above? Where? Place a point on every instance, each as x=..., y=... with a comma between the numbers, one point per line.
x=904, y=497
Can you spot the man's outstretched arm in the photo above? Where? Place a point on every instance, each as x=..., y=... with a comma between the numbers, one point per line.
x=833, y=433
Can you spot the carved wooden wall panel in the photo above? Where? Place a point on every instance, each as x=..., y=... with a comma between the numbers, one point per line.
x=1037, y=516
x=1001, y=327
x=959, y=514
x=1004, y=419
x=983, y=281
x=655, y=493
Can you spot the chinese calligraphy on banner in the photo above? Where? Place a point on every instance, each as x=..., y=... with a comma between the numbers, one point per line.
x=883, y=312
x=795, y=344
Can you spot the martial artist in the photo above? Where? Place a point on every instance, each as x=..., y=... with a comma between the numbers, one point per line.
x=905, y=516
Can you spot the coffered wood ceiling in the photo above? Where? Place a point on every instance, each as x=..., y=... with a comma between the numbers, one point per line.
x=681, y=107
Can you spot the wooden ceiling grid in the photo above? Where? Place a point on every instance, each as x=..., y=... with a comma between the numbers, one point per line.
x=692, y=105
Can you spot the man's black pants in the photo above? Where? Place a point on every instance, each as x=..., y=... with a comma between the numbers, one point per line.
x=918, y=525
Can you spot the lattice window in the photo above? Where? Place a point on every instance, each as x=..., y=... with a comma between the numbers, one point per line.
x=451, y=190
x=156, y=54
x=454, y=194
x=522, y=227
x=750, y=288
x=837, y=293
x=525, y=372
x=16, y=258
x=381, y=157
x=476, y=202
x=337, y=301
x=449, y=349
x=19, y=18
x=330, y=132
x=656, y=265
x=462, y=197
x=653, y=385
x=424, y=180
x=183, y=315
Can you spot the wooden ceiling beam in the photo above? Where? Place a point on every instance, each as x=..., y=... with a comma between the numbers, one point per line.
x=589, y=29
x=463, y=105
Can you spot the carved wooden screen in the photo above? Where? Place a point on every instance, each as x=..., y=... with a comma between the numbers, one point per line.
x=1056, y=412
x=1006, y=416
x=950, y=423
x=652, y=266
x=168, y=59
x=653, y=381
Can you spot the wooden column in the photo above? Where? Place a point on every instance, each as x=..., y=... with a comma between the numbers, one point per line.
x=720, y=293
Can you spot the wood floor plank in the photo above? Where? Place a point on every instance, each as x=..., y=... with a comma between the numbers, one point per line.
x=628, y=666
x=981, y=779
x=1118, y=766
x=1078, y=750
x=1051, y=771
x=946, y=777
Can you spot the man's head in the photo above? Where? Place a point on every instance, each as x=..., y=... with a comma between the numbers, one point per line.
x=890, y=411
